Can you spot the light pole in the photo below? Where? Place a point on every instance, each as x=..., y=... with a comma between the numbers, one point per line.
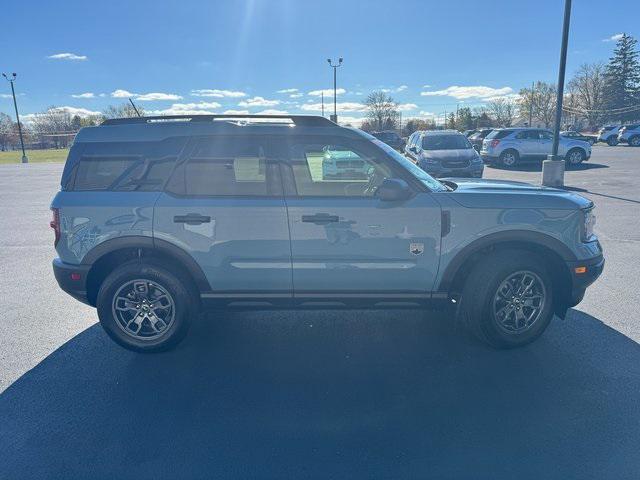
x=553, y=167
x=12, y=79
x=335, y=68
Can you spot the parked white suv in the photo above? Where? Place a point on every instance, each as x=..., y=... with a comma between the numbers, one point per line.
x=630, y=134
x=609, y=134
x=510, y=146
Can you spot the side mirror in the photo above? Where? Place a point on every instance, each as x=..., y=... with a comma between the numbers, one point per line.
x=392, y=190
x=413, y=149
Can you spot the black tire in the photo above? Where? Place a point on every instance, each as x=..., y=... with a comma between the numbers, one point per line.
x=612, y=141
x=575, y=157
x=509, y=158
x=635, y=141
x=159, y=280
x=477, y=308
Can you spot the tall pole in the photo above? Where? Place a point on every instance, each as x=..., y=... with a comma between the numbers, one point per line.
x=15, y=106
x=335, y=90
x=553, y=167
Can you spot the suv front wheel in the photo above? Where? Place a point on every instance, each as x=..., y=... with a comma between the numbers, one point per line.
x=145, y=307
x=575, y=157
x=507, y=300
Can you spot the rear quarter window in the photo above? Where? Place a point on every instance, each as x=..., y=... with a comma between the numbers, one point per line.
x=126, y=166
x=498, y=134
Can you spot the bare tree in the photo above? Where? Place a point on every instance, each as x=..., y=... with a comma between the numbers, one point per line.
x=54, y=123
x=586, y=92
x=382, y=111
x=503, y=111
x=124, y=110
x=7, y=128
x=542, y=102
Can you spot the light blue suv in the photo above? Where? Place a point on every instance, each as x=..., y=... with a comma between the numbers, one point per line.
x=159, y=218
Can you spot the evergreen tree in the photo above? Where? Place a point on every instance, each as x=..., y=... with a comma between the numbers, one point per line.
x=623, y=78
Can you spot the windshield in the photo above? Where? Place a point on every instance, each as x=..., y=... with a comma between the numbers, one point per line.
x=445, y=142
x=431, y=183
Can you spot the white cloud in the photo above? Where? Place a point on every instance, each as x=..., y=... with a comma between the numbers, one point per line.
x=340, y=107
x=155, y=96
x=401, y=88
x=287, y=90
x=296, y=95
x=119, y=93
x=461, y=93
x=145, y=97
x=426, y=86
x=613, y=38
x=5, y=95
x=426, y=114
x=236, y=112
x=271, y=111
x=67, y=56
x=73, y=111
x=207, y=92
x=200, y=108
x=327, y=92
x=258, y=102
x=83, y=95
x=354, y=121
x=405, y=107
x=509, y=96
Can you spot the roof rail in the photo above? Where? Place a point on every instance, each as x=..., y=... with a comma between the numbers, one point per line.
x=298, y=120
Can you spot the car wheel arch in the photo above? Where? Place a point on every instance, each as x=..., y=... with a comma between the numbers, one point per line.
x=556, y=253
x=106, y=256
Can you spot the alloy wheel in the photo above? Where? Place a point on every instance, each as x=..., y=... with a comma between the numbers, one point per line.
x=519, y=302
x=143, y=309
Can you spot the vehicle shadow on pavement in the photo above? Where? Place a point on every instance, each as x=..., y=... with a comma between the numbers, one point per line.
x=330, y=395
x=537, y=167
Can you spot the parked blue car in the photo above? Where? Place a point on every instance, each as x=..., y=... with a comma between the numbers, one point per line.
x=160, y=218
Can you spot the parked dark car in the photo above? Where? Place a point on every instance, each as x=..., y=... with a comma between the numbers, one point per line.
x=477, y=138
x=572, y=134
x=391, y=138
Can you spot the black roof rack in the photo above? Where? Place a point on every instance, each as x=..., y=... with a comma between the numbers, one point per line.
x=298, y=120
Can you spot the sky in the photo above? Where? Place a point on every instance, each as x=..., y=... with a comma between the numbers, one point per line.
x=270, y=56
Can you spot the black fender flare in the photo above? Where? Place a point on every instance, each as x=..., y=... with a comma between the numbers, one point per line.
x=160, y=246
x=519, y=236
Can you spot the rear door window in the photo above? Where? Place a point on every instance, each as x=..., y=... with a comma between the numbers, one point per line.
x=227, y=166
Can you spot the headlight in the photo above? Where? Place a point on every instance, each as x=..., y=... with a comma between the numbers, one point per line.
x=589, y=222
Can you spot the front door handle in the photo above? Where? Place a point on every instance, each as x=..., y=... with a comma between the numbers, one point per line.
x=192, y=219
x=320, y=218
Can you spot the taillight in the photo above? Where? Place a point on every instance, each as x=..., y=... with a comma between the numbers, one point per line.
x=495, y=143
x=55, y=224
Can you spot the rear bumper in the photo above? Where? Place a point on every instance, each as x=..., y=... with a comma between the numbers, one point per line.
x=593, y=268
x=473, y=170
x=72, y=279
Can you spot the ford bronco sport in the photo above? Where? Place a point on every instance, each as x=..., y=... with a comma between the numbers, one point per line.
x=159, y=218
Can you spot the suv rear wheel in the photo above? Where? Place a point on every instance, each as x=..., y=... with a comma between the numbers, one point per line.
x=509, y=158
x=145, y=307
x=612, y=141
x=635, y=141
x=507, y=300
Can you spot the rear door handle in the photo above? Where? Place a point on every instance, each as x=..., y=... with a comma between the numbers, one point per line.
x=320, y=218
x=192, y=219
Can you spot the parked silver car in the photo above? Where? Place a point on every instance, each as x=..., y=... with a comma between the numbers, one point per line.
x=510, y=146
x=630, y=134
x=609, y=134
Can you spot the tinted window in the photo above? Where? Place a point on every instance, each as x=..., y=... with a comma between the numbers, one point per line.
x=226, y=166
x=126, y=166
x=445, y=142
x=337, y=168
x=498, y=134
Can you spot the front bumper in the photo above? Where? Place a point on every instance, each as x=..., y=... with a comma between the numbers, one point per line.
x=583, y=274
x=72, y=279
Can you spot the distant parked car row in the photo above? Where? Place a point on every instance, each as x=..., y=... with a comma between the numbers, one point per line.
x=612, y=135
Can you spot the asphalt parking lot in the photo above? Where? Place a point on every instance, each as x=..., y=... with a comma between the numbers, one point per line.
x=379, y=394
